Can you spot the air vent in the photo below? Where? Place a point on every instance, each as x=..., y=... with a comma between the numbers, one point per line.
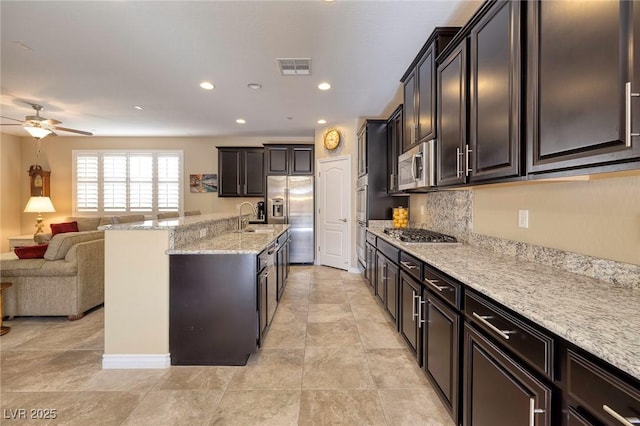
x=295, y=66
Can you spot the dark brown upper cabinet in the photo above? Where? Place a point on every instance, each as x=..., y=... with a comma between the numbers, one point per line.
x=289, y=159
x=584, y=63
x=452, y=148
x=419, y=90
x=240, y=172
x=495, y=93
x=394, y=149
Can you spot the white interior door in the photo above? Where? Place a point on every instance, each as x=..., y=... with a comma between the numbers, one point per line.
x=334, y=212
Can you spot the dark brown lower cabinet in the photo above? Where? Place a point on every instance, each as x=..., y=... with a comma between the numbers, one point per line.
x=387, y=284
x=575, y=419
x=498, y=391
x=370, y=269
x=441, y=351
x=410, y=298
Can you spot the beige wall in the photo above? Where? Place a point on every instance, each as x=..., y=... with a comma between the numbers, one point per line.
x=348, y=146
x=200, y=156
x=11, y=204
x=598, y=217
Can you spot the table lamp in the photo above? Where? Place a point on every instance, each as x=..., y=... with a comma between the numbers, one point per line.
x=39, y=205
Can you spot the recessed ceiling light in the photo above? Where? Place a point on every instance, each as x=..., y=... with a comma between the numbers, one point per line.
x=254, y=86
x=322, y=121
x=324, y=86
x=138, y=107
x=207, y=85
x=241, y=121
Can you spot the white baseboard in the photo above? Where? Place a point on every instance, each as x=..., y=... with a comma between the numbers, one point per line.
x=356, y=270
x=135, y=361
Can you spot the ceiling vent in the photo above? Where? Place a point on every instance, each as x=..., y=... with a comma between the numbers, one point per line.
x=294, y=66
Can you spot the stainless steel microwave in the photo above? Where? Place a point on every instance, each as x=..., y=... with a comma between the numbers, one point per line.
x=416, y=167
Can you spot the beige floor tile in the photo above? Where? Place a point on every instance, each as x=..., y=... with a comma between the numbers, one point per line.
x=379, y=335
x=271, y=369
x=258, y=407
x=353, y=407
x=333, y=334
x=320, y=295
x=71, y=408
x=412, y=407
x=175, y=408
x=291, y=313
x=395, y=368
x=330, y=312
x=196, y=378
x=370, y=311
x=336, y=368
x=286, y=335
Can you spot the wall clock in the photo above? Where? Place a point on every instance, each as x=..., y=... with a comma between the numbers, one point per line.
x=332, y=139
x=39, y=181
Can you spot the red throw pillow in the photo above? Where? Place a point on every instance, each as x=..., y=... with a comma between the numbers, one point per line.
x=61, y=228
x=31, y=252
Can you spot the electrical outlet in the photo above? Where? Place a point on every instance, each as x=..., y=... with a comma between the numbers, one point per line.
x=523, y=218
x=203, y=232
x=422, y=210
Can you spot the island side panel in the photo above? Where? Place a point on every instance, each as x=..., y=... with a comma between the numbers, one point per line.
x=136, y=299
x=213, y=309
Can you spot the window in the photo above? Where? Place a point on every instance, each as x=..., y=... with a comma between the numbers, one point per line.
x=108, y=182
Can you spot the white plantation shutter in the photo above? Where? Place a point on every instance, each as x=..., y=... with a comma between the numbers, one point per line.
x=127, y=182
x=87, y=183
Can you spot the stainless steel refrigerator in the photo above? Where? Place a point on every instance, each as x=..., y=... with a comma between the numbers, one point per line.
x=290, y=200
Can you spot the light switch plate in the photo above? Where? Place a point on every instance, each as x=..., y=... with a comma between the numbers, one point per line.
x=523, y=218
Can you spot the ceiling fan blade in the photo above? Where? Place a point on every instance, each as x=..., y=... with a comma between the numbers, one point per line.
x=81, y=132
x=10, y=124
x=9, y=118
x=51, y=122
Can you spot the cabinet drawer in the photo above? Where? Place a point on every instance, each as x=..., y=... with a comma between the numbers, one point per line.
x=447, y=289
x=412, y=265
x=390, y=251
x=531, y=344
x=601, y=393
x=371, y=238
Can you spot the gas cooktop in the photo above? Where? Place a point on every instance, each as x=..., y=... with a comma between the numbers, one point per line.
x=418, y=235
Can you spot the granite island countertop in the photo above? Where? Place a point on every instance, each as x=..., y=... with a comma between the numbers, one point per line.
x=234, y=242
x=596, y=316
x=171, y=223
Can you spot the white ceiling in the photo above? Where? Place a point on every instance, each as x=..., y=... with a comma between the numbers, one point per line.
x=91, y=62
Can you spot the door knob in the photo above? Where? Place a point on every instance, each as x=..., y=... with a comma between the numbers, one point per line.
x=344, y=219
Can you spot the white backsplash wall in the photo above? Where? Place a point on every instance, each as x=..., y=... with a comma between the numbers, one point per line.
x=449, y=212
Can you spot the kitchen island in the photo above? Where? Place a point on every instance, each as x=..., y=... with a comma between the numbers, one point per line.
x=137, y=278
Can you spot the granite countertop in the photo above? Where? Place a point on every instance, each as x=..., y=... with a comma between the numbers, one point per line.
x=234, y=242
x=594, y=315
x=171, y=223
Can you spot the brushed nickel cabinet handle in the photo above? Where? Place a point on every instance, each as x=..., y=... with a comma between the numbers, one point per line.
x=420, y=318
x=458, y=154
x=434, y=285
x=533, y=411
x=483, y=319
x=627, y=421
x=628, y=94
x=467, y=168
x=408, y=265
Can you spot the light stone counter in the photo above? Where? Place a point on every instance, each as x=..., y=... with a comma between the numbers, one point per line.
x=596, y=316
x=235, y=242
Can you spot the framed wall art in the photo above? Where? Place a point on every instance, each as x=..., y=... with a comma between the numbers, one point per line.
x=203, y=183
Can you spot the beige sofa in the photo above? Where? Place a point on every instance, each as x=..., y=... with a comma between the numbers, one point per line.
x=68, y=281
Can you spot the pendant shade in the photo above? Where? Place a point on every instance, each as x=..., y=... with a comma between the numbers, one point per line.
x=37, y=132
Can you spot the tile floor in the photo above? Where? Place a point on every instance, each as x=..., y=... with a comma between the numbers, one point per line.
x=332, y=357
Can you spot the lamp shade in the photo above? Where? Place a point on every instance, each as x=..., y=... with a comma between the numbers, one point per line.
x=37, y=132
x=39, y=205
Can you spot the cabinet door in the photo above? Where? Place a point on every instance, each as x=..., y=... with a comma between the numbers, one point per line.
x=391, y=302
x=394, y=149
x=452, y=101
x=254, y=181
x=441, y=349
x=409, y=112
x=277, y=160
x=582, y=55
x=498, y=391
x=426, y=102
x=262, y=306
x=301, y=160
x=381, y=277
x=494, y=93
x=229, y=171
x=362, y=152
x=410, y=295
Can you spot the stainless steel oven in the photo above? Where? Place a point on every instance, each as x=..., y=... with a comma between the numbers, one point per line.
x=361, y=218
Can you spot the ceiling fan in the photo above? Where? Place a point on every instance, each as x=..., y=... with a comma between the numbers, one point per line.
x=40, y=127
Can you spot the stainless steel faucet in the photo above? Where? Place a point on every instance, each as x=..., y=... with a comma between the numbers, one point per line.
x=240, y=221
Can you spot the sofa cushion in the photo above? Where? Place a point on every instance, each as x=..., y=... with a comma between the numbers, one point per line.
x=31, y=252
x=128, y=218
x=105, y=220
x=86, y=223
x=61, y=228
x=61, y=243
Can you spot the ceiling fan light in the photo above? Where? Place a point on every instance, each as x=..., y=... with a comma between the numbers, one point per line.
x=37, y=132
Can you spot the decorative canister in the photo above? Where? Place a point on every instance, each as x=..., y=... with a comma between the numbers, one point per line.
x=400, y=217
